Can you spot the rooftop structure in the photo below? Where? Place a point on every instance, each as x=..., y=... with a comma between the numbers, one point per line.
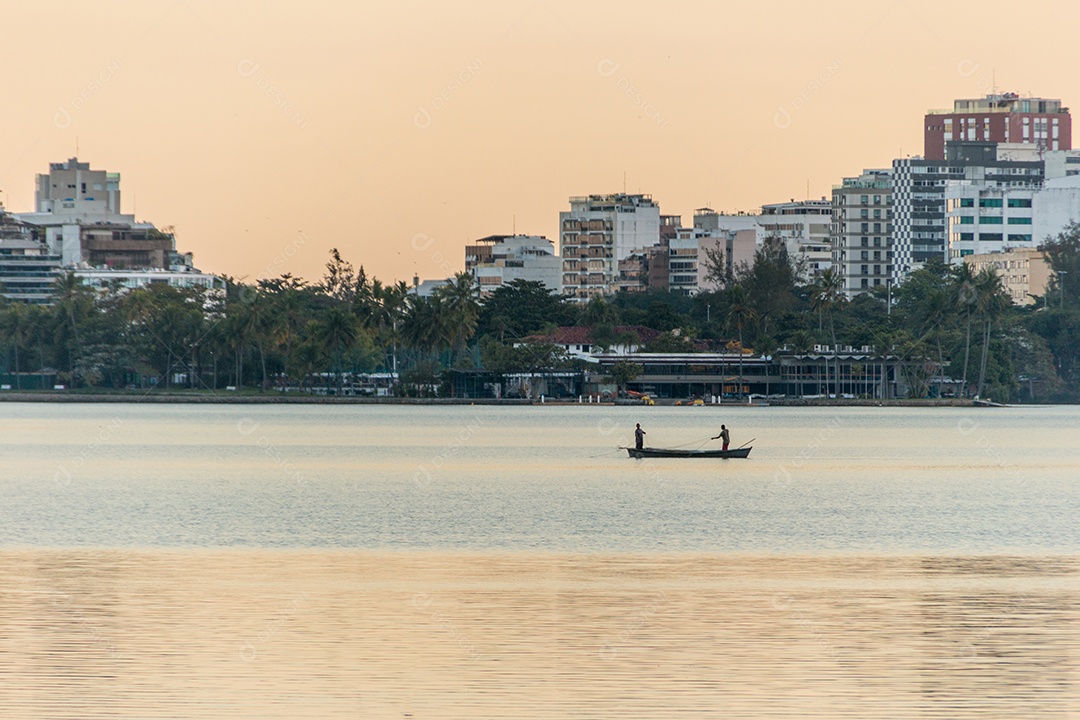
x=998, y=117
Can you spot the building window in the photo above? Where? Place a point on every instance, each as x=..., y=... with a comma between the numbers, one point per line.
x=990, y=237
x=967, y=220
x=967, y=202
x=1019, y=221
x=865, y=270
x=992, y=220
x=865, y=283
x=865, y=242
x=967, y=236
x=1019, y=238
x=1020, y=202
x=877, y=242
x=989, y=202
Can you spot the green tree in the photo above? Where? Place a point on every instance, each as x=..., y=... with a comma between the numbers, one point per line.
x=521, y=308
x=623, y=372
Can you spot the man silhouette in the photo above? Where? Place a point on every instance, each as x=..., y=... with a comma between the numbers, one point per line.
x=724, y=435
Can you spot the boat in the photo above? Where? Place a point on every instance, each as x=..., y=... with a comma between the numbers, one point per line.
x=666, y=453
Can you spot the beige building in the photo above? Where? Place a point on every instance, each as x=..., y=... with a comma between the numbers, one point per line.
x=72, y=188
x=1023, y=272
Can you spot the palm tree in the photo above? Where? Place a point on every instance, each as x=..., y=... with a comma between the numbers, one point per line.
x=801, y=343
x=991, y=302
x=739, y=315
x=388, y=307
x=965, y=296
x=337, y=331
x=462, y=309
x=828, y=296
x=71, y=307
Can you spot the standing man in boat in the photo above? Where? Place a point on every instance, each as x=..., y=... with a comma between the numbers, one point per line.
x=724, y=435
x=639, y=437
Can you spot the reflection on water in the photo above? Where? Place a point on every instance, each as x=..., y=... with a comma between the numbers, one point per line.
x=351, y=634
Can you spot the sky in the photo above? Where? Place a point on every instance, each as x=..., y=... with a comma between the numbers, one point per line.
x=268, y=133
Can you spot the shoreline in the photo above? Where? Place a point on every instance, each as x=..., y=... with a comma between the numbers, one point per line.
x=225, y=398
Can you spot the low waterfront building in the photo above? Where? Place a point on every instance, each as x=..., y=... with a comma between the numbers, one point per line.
x=584, y=342
x=104, y=278
x=818, y=372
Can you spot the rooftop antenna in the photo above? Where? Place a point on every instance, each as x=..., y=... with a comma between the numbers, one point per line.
x=76, y=146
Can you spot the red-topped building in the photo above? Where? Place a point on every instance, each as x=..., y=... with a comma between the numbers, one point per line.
x=1003, y=118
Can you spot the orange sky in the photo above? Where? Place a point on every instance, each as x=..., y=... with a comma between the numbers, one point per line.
x=380, y=128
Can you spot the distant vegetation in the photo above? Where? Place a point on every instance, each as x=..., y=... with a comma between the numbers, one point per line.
x=287, y=332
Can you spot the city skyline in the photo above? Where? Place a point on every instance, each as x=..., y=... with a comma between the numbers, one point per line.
x=264, y=148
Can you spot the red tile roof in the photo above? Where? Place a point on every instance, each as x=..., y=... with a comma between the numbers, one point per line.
x=582, y=335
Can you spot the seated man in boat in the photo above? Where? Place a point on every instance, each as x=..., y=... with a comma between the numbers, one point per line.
x=639, y=437
x=724, y=435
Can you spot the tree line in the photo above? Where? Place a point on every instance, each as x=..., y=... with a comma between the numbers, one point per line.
x=288, y=332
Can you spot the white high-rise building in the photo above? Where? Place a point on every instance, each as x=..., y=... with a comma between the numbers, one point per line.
x=500, y=259
x=598, y=232
x=804, y=227
x=984, y=220
x=1055, y=206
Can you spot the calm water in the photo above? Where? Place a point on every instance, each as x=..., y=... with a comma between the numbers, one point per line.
x=477, y=562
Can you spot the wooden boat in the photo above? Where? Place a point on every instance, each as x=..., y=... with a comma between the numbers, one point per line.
x=663, y=453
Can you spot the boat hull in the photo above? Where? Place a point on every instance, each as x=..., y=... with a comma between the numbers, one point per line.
x=662, y=453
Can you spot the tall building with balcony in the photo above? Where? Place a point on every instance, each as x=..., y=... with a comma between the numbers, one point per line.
x=498, y=260
x=1000, y=118
x=804, y=226
x=690, y=263
x=599, y=231
x=28, y=271
x=861, y=235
